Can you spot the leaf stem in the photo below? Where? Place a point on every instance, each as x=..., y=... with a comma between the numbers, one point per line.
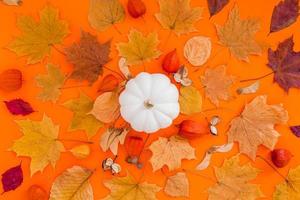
x=73, y=140
x=258, y=78
x=116, y=28
x=58, y=50
x=120, y=75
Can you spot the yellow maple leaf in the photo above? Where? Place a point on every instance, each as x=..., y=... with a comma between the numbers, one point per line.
x=238, y=35
x=127, y=188
x=73, y=184
x=255, y=126
x=105, y=13
x=170, y=152
x=177, y=15
x=38, y=38
x=190, y=100
x=111, y=138
x=50, y=83
x=233, y=182
x=177, y=185
x=217, y=84
x=139, y=49
x=290, y=188
x=39, y=142
x=81, y=119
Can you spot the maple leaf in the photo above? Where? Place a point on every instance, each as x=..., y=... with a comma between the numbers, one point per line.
x=290, y=188
x=50, y=83
x=217, y=84
x=232, y=182
x=215, y=6
x=177, y=185
x=238, y=35
x=139, y=49
x=81, y=119
x=284, y=15
x=129, y=189
x=88, y=57
x=105, y=13
x=170, y=152
x=178, y=16
x=39, y=142
x=73, y=184
x=190, y=100
x=284, y=62
x=38, y=38
x=111, y=138
x=255, y=126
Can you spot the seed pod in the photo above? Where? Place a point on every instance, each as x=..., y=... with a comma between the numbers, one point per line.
x=190, y=129
x=108, y=84
x=11, y=80
x=281, y=157
x=171, y=62
x=136, y=8
x=134, y=146
x=36, y=192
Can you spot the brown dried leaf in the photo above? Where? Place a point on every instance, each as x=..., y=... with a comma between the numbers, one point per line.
x=111, y=139
x=177, y=185
x=249, y=89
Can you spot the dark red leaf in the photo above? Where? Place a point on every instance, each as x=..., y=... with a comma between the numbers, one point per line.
x=18, y=107
x=284, y=14
x=285, y=63
x=216, y=6
x=295, y=130
x=12, y=178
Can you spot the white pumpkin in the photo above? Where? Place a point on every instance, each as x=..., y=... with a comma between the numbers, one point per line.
x=149, y=102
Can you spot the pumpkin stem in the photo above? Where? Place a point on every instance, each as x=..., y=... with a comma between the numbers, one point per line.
x=148, y=104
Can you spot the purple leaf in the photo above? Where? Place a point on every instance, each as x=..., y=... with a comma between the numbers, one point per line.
x=295, y=130
x=284, y=14
x=12, y=178
x=18, y=107
x=285, y=63
x=216, y=6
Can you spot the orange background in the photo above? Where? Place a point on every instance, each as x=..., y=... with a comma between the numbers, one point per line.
x=75, y=13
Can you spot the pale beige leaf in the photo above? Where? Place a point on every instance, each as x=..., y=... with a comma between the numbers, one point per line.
x=190, y=100
x=13, y=2
x=111, y=139
x=124, y=68
x=73, y=184
x=249, y=89
x=81, y=151
x=177, y=185
x=181, y=76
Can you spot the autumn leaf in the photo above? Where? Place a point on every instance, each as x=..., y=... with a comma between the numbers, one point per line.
x=251, y=89
x=170, y=152
x=39, y=142
x=178, y=16
x=82, y=120
x=13, y=2
x=190, y=100
x=215, y=6
x=38, y=38
x=289, y=189
x=129, y=189
x=284, y=62
x=81, y=151
x=12, y=178
x=284, y=15
x=73, y=184
x=177, y=185
x=88, y=57
x=105, y=13
x=217, y=84
x=255, y=126
x=111, y=139
x=50, y=83
x=233, y=182
x=238, y=35
x=19, y=107
x=139, y=49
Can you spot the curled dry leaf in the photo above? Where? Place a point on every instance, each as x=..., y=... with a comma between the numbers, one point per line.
x=181, y=76
x=73, y=184
x=19, y=107
x=128, y=188
x=105, y=13
x=12, y=178
x=255, y=126
x=36, y=192
x=81, y=151
x=215, y=6
x=170, y=152
x=251, y=89
x=11, y=80
x=177, y=185
x=106, y=107
x=197, y=50
x=214, y=149
x=111, y=139
x=124, y=68
x=190, y=100
x=12, y=2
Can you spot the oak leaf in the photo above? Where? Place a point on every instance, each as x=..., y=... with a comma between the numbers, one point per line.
x=177, y=185
x=233, y=182
x=50, y=83
x=39, y=142
x=88, y=57
x=128, y=188
x=255, y=126
x=82, y=120
x=139, y=48
x=290, y=188
x=105, y=13
x=111, y=139
x=215, y=6
x=190, y=100
x=178, y=16
x=73, y=184
x=170, y=152
x=38, y=38
x=238, y=35
x=217, y=84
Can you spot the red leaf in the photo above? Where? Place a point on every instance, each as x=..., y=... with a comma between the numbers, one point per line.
x=284, y=14
x=12, y=178
x=19, y=107
x=216, y=6
x=11, y=80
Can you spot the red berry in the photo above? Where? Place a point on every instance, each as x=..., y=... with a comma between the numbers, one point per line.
x=136, y=8
x=281, y=157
